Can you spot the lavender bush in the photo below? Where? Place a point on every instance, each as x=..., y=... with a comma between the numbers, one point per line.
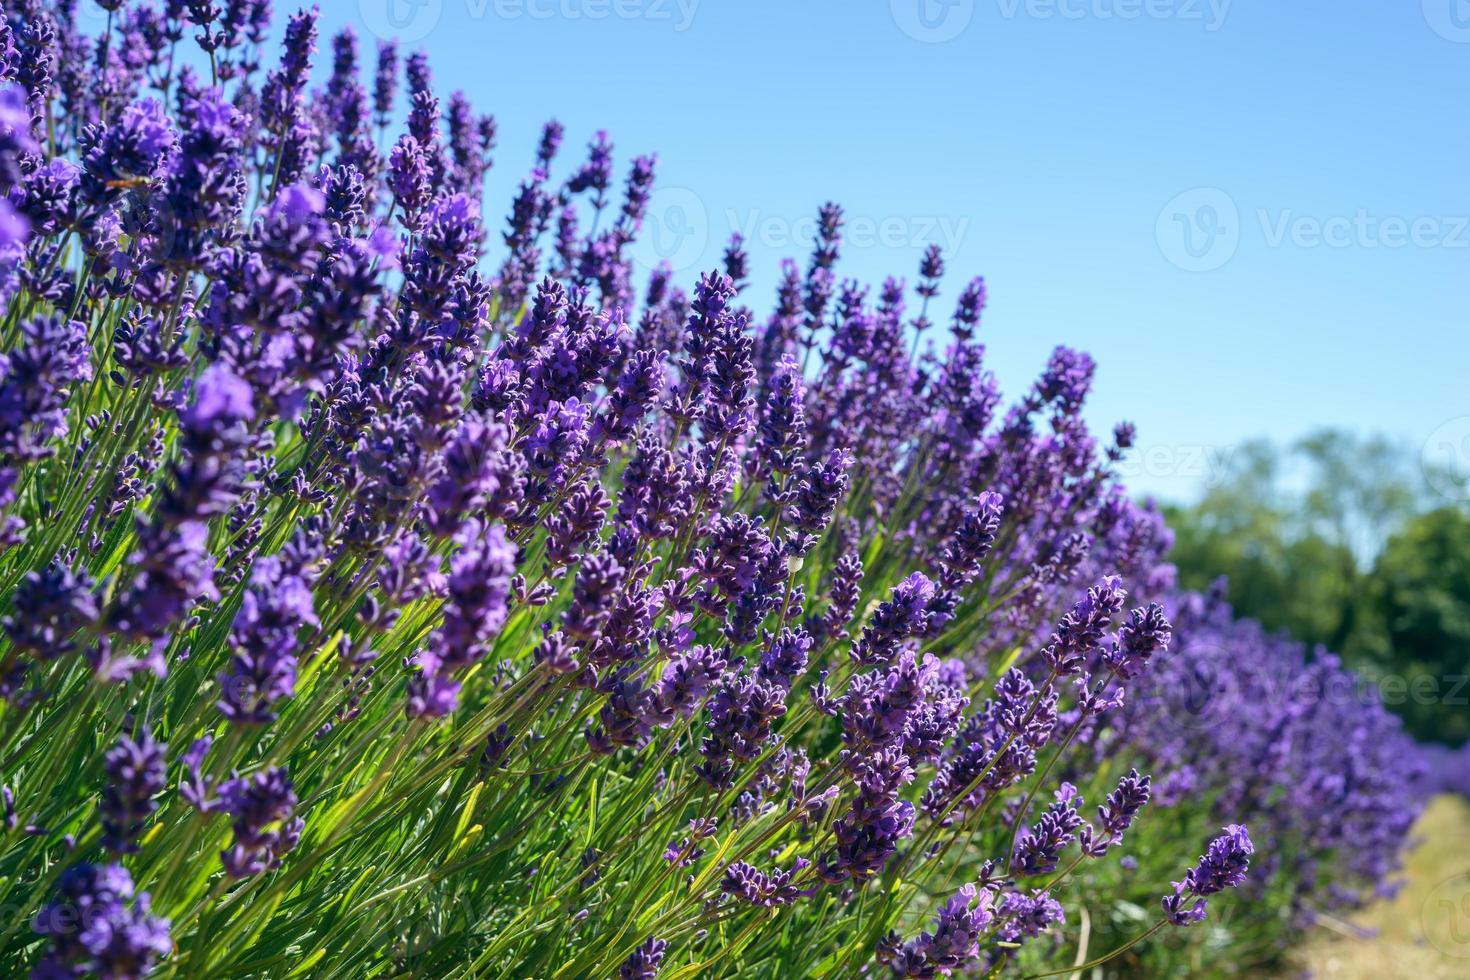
x=379, y=599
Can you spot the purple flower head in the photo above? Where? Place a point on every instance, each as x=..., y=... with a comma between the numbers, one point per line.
x=1145, y=633
x=135, y=775
x=15, y=132
x=967, y=311
x=132, y=147
x=1028, y=916
x=1223, y=865
x=385, y=81
x=785, y=659
x=48, y=608
x=97, y=925
x=173, y=568
x=477, y=606
x=971, y=541
x=15, y=228
x=643, y=962
x=903, y=615
x=221, y=399
x=1039, y=848
x=687, y=678
x=263, y=642
x=955, y=941
x=298, y=203
x=1080, y=633
x=35, y=381
x=1117, y=814
x=262, y=808
x=1067, y=379
x=755, y=887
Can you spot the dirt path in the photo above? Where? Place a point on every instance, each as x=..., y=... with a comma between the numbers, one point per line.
x=1425, y=932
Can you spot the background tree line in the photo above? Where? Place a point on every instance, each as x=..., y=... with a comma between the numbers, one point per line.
x=1349, y=543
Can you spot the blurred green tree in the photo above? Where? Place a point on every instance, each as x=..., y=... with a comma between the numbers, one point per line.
x=1418, y=621
x=1337, y=541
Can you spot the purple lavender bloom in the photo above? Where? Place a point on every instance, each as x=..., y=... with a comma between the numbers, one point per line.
x=200, y=194
x=643, y=962
x=785, y=659
x=46, y=202
x=98, y=925
x=1145, y=633
x=1039, y=848
x=967, y=311
x=410, y=180
x=1117, y=814
x=687, y=678
x=135, y=775
x=1223, y=865
x=903, y=615
x=48, y=609
x=263, y=642
x=16, y=139
x=478, y=594
x=1028, y=916
x=173, y=568
x=1081, y=630
x=551, y=137
x=596, y=174
x=474, y=470
x=385, y=81
x=971, y=542
x=955, y=941
x=263, y=811
x=845, y=590
x=132, y=147
x=35, y=381
x=767, y=890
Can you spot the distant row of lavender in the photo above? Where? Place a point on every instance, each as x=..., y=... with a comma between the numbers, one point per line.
x=365, y=611
x=1448, y=770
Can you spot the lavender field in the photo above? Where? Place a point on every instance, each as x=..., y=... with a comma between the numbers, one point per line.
x=398, y=581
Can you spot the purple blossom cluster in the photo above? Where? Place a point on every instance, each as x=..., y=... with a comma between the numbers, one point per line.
x=1286, y=740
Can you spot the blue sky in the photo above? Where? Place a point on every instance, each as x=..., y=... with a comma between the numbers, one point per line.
x=1253, y=213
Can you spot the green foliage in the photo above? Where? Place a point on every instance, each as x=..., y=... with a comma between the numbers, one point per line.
x=1338, y=541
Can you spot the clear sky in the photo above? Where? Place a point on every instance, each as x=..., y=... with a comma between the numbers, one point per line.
x=1255, y=214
